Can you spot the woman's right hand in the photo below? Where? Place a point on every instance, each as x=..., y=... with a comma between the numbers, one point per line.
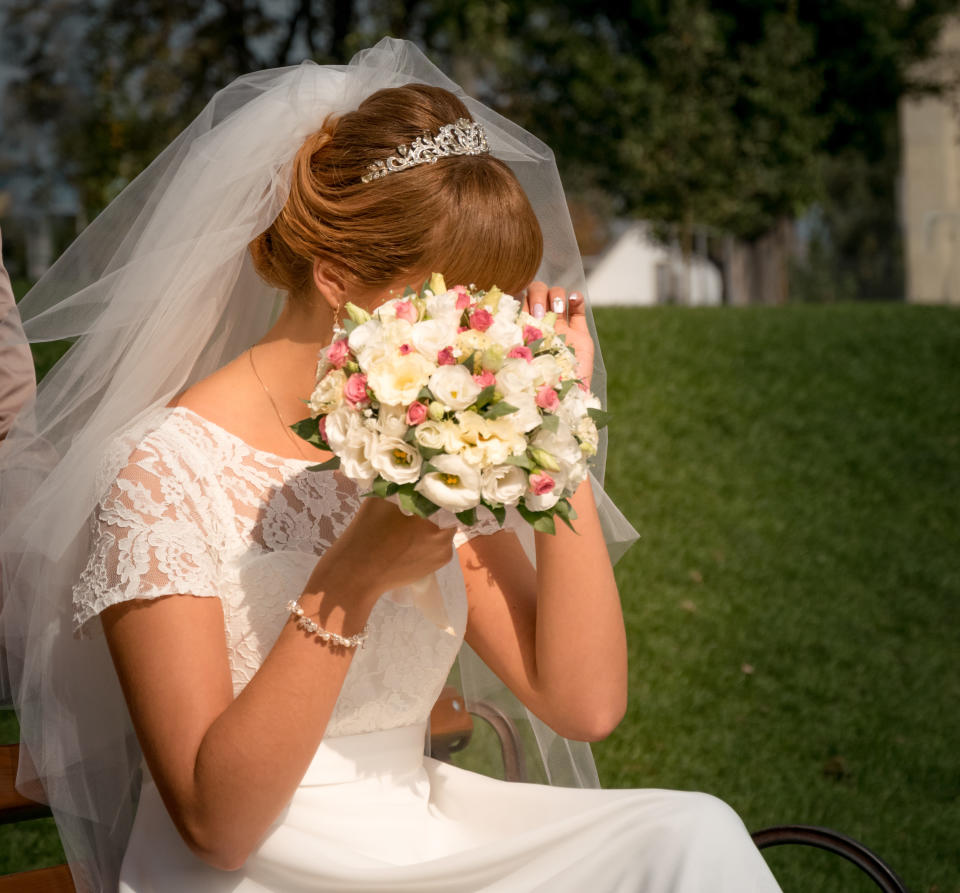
x=383, y=549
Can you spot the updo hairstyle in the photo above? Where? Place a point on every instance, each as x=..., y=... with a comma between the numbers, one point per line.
x=465, y=216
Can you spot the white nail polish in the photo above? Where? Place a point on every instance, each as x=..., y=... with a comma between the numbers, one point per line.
x=558, y=305
x=538, y=311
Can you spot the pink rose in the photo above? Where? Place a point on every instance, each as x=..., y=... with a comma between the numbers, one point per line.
x=405, y=349
x=521, y=353
x=445, y=357
x=338, y=353
x=322, y=427
x=355, y=390
x=463, y=297
x=485, y=378
x=462, y=329
x=531, y=333
x=547, y=398
x=540, y=483
x=416, y=412
x=406, y=310
x=481, y=319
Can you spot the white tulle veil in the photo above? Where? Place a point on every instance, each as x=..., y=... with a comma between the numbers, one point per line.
x=159, y=291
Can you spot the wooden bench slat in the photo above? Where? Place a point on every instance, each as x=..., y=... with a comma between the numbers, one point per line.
x=42, y=880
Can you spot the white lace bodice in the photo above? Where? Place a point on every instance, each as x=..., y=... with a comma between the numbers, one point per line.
x=197, y=511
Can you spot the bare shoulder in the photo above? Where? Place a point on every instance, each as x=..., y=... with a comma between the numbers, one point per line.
x=224, y=397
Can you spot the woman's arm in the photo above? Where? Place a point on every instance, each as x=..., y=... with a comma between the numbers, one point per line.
x=554, y=635
x=226, y=767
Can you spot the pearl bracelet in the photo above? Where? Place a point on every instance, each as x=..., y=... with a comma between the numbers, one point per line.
x=308, y=625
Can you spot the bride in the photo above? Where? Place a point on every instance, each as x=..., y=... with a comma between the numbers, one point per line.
x=156, y=494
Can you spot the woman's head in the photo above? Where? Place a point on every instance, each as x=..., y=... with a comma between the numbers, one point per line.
x=465, y=216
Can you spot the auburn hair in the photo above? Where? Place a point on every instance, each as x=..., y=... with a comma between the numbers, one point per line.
x=465, y=216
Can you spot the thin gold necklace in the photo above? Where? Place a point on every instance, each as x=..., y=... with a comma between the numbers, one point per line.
x=276, y=409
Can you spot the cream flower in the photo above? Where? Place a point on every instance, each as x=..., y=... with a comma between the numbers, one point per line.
x=504, y=484
x=396, y=460
x=546, y=370
x=432, y=335
x=472, y=340
x=396, y=379
x=328, y=394
x=454, y=486
x=392, y=421
x=527, y=417
x=515, y=377
x=453, y=386
x=363, y=335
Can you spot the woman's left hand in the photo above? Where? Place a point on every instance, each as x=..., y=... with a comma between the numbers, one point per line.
x=571, y=320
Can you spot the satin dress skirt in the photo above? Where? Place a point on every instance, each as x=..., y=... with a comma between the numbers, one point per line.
x=373, y=814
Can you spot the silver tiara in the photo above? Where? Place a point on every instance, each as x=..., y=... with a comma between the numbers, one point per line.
x=465, y=137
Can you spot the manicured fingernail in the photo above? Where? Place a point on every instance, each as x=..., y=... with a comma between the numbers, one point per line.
x=538, y=311
x=558, y=305
x=575, y=296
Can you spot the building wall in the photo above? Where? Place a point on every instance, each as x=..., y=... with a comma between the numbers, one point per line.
x=930, y=182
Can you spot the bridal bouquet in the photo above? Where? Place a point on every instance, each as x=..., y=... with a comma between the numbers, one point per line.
x=452, y=399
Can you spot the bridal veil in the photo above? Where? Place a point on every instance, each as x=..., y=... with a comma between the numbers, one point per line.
x=157, y=293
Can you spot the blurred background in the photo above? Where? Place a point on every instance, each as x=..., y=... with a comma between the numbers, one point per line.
x=767, y=199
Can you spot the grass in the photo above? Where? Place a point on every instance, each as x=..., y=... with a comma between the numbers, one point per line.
x=792, y=604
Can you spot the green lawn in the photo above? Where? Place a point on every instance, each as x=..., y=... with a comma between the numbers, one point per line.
x=792, y=603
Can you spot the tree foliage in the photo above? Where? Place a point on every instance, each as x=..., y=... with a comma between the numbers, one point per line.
x=708, y=112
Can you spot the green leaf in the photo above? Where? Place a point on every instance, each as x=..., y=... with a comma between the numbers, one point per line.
x=309, y=430
x=383, y=487
x=348, y=325
x=467, y=518
x=429, y=453
x=550, y=422
x=566, y=385
x=409, y=293
x=485, y=396
x=425, y=396
x=424, y=287
x=467, y=360
x=535, y=345
x=522, y=461
x=499, y=512
x=599, y=416
x=329, y=465
x=412, y=501
x=541, y=521
x=566, y=512
x=495, y=410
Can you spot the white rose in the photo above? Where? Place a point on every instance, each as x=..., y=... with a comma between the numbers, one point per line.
x=505, y=332
x=396, y=460
x=439, y=436
x=567, y=363
x=392, y=421
x=454, y=486
x=560, y=444
x=354, y=449
x=433, y=335
x=454, y=386
x=328, y=394
x=444, y=307
x=507, y=309
x=397, y=379
x=345, y=429
x=515, y=376
x=527, y=417
x=546, y=370
x=503, y=484
x=363, y=335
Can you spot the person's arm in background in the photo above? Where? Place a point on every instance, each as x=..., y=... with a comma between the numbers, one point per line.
x=17, y=380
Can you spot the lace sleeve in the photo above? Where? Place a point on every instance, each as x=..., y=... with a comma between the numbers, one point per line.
x=153, y=534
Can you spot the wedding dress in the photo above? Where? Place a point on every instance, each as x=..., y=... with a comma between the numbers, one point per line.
x=198, y=512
